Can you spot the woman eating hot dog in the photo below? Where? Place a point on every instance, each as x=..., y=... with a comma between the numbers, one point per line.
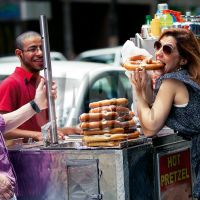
x=176, y=101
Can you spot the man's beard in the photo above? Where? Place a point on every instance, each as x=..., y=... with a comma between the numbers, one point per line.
x=32, y=68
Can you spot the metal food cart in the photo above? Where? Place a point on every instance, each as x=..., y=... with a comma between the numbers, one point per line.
x=72, y=172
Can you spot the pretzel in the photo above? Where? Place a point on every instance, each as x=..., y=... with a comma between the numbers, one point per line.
x=126, y=116
x=137, y=57
x=105, y=138
x=104, y=131
x=112, y=108
x=103, y=144
x=128, y=124
x=133, y=135
x=135, y=62
x=98, y=116
x=109, y=138
x=108, y=102
x=100, y=124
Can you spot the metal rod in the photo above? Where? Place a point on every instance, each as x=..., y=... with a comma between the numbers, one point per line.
x=48, y=77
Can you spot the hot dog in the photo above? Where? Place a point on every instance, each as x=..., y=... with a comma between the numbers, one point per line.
x=107, y=102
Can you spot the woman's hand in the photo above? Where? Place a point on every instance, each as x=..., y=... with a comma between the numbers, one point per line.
x=41, y=94
x=139, y=80
x=142, y=82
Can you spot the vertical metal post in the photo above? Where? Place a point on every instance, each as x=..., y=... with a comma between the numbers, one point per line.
x=48, y=77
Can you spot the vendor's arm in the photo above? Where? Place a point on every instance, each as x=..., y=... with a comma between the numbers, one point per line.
x=26, y=134
x=19, y=116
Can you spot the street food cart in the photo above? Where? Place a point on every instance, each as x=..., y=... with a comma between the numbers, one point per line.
x=134, y=170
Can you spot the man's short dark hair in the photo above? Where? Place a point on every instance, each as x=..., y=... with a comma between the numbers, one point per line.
x=23, y=36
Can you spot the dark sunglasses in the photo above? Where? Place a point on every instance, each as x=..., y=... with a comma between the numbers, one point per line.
x=167, y=49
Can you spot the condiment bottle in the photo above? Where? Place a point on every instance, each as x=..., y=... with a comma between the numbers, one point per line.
x=155, y=27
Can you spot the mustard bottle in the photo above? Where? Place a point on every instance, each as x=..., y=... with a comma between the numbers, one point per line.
x=155, y=27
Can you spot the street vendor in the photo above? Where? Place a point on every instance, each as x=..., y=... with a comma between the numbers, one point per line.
x=176, y=96
x=10, y=121
x=19, y=88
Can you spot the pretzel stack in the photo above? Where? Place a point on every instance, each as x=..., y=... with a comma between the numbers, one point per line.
x=108, y=123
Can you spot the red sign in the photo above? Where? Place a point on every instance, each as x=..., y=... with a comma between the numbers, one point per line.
x=175, y=175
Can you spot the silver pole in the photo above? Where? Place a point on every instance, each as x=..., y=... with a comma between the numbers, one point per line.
x=48, y=77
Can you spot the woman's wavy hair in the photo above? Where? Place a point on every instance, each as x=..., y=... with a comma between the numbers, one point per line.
x=189, y=48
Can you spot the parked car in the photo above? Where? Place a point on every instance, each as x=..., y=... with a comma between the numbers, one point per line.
x=53, y=54
x=80, y=83
x=110, y=56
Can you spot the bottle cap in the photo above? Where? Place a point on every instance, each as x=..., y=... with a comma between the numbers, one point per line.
x=148, y=19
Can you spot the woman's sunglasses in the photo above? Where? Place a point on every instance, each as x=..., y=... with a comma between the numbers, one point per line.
x=167, y=49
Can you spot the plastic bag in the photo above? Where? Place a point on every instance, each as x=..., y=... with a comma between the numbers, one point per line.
x=129, y=49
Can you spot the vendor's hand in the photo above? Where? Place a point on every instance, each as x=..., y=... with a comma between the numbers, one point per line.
x=60, y=133
x=37, y=136
x=41, y=97
x=70, y=130
x=6, y=189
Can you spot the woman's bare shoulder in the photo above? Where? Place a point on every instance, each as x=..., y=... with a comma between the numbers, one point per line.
x=172, y=83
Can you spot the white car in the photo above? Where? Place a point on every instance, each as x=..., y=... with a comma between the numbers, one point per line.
x=110, y=56
x=80, y=83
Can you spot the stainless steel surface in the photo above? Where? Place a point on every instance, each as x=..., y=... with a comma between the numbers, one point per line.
x=48, y=76
x=64, y=172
